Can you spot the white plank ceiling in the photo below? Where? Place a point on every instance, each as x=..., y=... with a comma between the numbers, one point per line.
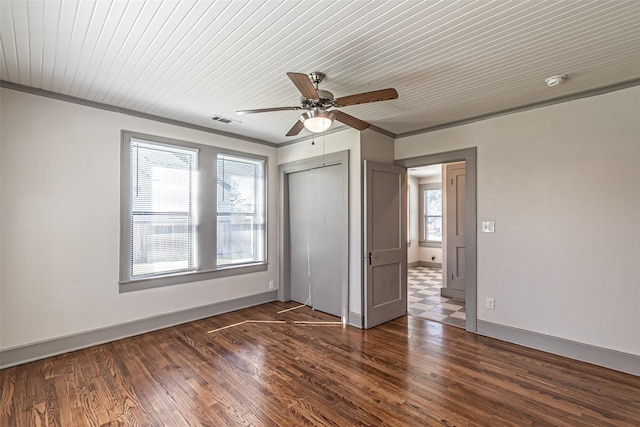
x=191, y=60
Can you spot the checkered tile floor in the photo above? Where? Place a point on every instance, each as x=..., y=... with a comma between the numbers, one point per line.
x=424, y=298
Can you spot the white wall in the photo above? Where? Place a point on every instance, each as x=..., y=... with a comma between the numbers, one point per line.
x=430, y=180
x=562, y=184
x=348, y=139
x=60, y=208
x=426, y=254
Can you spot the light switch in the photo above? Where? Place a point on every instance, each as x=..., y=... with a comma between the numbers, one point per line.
x=488, y=227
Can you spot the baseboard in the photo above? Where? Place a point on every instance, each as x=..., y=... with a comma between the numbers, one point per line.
x=430, y=264
x=424, y=264
x=453, y=293
x=612, y=359
x=40, y=350
x=355, y=320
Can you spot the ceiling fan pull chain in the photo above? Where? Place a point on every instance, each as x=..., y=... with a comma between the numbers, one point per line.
x=323, y=162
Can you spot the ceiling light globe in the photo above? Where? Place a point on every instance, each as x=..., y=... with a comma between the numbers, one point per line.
x=317, y=121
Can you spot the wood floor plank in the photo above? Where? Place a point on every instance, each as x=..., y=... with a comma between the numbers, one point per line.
x=406, y=372
x=7, y=390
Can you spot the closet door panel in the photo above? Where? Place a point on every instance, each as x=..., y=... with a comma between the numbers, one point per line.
x=328, y=254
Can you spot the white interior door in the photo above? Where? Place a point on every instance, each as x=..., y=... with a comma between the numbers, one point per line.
x=385, y=243
x=455, y=233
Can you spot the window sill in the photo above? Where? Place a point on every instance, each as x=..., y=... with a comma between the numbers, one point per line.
x=428, y=244
x=189, y=277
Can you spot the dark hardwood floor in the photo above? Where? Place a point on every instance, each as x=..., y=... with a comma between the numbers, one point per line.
x=409, y=372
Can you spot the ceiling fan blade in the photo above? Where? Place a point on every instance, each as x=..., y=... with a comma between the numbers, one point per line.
x=304, y=85
x=363, y=98
x=350, y=120
x=296, y=128
x=266, y=110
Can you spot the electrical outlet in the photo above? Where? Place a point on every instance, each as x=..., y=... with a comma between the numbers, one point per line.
x=488, y=227
x=272, y=284
x=491, y=303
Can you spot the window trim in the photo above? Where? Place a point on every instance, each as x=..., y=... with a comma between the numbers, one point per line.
x=422, y=189
x=206, y=234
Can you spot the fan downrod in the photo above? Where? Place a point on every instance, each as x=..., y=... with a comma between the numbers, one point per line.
x=317, y=77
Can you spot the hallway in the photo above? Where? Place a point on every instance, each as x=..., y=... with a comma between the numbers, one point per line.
x=424, y=298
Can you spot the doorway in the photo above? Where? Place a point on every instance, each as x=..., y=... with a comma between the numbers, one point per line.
x=437, y=243
x=314, y=239
x=466, y=262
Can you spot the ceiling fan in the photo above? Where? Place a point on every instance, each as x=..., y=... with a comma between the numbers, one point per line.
x=318, y=103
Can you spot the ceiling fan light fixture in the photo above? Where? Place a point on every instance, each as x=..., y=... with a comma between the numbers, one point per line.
x=317, y=121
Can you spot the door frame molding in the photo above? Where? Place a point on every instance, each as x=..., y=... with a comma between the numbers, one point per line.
x=469, y=156
x=340, y=159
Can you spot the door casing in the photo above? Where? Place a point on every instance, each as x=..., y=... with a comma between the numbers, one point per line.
x=468, y=155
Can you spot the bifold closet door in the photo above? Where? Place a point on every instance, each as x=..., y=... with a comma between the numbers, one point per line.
x=316, y=224
x=300, y=200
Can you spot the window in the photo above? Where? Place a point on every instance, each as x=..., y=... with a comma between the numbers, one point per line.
x=162, y=209
x=431, y=213
x=240, y=211
x=176, y=226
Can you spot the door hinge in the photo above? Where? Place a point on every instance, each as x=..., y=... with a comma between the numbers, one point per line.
x=369, y=258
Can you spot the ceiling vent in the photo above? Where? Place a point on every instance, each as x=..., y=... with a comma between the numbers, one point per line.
x=225, y=120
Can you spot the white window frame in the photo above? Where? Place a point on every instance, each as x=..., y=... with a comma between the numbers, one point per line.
x=423, y=217
x=206, y=217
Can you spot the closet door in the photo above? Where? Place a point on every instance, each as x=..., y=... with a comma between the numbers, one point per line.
x=327, y=251
x=300, y=221
x=317, y=224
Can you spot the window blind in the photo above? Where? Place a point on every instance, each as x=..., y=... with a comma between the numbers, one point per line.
x=162, y=209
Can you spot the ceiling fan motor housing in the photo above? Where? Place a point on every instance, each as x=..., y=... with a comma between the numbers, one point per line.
x=325, y=100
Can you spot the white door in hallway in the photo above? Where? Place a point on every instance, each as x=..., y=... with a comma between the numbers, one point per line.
x=455, y=231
